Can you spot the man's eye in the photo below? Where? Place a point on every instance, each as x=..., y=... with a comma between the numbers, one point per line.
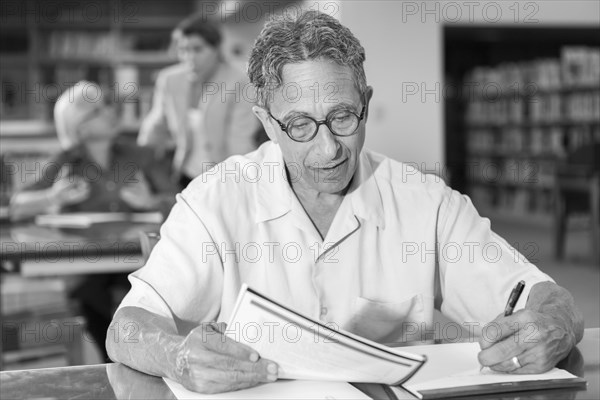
x=301, y=124
x=341, y=117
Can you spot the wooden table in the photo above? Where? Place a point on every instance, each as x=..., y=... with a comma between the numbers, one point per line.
x=115, y=381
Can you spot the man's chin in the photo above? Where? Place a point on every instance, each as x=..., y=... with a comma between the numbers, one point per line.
x=331, y=181
x=330, y=187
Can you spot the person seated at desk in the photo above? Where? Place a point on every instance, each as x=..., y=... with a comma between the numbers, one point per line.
x=201, y=106
x=346, y=236
x=95, y=172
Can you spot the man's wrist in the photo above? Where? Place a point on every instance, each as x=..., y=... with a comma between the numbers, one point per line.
x=557, y=304
x=174, y=346
x=563, y=319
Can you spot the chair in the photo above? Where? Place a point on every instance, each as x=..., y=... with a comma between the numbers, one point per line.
x=577, y=190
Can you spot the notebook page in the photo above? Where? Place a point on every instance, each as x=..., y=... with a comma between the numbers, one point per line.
x=456, y=365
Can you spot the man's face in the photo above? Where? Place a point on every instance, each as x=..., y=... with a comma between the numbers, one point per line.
x=195, y=52
x=317, y=88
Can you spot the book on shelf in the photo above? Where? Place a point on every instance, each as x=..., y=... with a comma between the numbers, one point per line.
x=580, y=66
x=81, y=44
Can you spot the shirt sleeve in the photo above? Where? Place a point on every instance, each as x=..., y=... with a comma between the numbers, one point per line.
x=183, y=277
x=478, y=269
x=154, y=131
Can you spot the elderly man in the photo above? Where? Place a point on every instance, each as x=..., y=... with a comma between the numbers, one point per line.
x=322, y=225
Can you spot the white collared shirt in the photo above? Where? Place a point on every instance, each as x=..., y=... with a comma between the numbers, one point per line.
x=199, y=156
x=400, y=244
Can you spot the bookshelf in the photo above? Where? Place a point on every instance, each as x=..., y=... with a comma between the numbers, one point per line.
x=529, y=97
x=45, y=48
x=538, y=113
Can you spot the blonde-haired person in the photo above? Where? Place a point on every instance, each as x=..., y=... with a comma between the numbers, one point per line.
x=95, y=171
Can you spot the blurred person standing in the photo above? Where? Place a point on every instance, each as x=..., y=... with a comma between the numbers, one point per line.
x=202, y=106
x=95, y=172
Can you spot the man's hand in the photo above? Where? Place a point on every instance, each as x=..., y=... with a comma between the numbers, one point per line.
x=537, y=340
x=137, y=194
x=209, y=362
x=69, y=190
x=539, y=336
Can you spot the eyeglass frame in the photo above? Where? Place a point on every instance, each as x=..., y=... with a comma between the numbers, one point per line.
x=325, y=122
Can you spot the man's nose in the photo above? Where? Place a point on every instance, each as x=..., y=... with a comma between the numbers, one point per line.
x=327, y=142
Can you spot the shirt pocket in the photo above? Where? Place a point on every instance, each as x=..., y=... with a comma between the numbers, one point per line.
x=385, y=322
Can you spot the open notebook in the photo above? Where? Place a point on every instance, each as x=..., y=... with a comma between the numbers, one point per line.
x=452, y=370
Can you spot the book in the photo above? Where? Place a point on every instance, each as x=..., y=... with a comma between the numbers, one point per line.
x=306, y=349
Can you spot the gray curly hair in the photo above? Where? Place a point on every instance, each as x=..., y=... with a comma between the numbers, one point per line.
x=307, y=36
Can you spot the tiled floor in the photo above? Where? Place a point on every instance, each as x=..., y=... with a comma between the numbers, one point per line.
x=577, y=272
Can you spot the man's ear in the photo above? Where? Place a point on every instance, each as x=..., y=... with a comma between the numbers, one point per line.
x=264, y=118
x=368, y=96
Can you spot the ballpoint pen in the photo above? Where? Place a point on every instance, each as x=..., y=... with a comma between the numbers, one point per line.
x=515, y=294
x=514, y=298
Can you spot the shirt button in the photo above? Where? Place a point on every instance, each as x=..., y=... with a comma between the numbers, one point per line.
x=208, y=147
x=323, y=311
x=110, y=186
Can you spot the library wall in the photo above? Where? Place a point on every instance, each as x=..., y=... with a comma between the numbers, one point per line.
x=404, y=59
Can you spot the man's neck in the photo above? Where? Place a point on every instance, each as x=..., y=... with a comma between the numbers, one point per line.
x=320, y=207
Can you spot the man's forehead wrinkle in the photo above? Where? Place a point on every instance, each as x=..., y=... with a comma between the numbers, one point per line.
x=315, y=88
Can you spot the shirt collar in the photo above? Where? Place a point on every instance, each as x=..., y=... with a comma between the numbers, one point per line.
x=364, y=192
x=274, y=195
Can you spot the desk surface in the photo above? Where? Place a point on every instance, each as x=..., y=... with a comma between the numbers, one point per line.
x=105, y=247
x=115, y=381
x=27, y=240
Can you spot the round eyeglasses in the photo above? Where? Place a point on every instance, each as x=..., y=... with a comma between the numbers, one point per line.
x=304, y=128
